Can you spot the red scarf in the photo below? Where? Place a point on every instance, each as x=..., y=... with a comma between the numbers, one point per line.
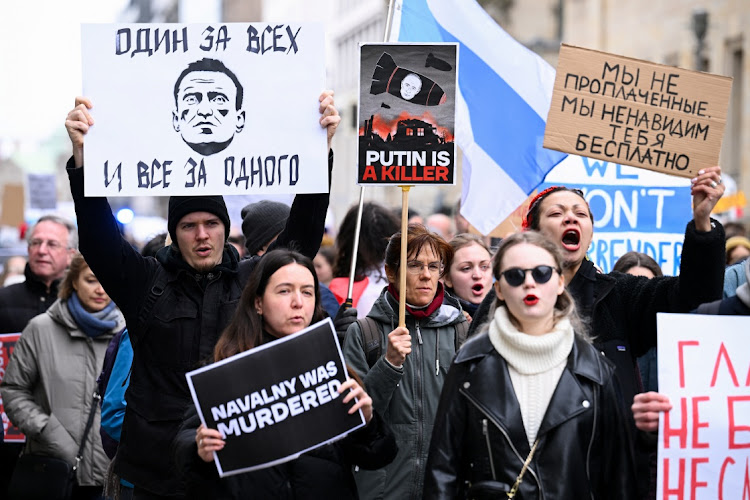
x=422, y=312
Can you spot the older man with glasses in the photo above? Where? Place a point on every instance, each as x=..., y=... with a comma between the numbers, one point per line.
x=52, y=242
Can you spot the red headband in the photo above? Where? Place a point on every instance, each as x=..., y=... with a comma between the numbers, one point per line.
x=526, y=223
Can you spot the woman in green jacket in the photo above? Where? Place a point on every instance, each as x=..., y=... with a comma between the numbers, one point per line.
x=404, y=374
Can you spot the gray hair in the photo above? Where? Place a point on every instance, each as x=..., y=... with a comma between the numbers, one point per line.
x=63, y=221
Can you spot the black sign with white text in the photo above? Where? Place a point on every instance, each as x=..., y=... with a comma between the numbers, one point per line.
x=276, y=401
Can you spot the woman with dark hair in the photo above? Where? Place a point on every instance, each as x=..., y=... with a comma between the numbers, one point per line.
x=552, y=423
x=621, y=308
x=469, y=277
x=51, y=378
x=281, y=298
x=378, y=224
x=404, y=377
x=638, y=264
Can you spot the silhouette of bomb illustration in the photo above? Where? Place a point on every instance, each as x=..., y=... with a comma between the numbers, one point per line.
x=405, y=84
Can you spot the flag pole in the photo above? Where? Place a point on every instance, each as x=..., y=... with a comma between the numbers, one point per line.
x=404, y=255
x=349, y=298
x=355, y=249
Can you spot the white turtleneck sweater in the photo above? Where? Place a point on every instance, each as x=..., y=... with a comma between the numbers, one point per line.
x=535, y=364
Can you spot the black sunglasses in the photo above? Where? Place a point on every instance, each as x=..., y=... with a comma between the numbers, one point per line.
x=515, y=276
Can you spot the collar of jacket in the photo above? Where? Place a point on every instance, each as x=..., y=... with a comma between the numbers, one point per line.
x=171, y=258
x=569, y=399
x=36, y=285
x=603, y=283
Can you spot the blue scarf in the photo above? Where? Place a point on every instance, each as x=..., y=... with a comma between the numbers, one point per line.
x=92, y=324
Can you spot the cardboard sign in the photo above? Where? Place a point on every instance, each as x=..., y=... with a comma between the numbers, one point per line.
x=204, y=109
x=276, y=401
x=637, y=113
x=704, y=441
x=634, y=210
x=407, y=114
x=7, y=343
x=12, y=205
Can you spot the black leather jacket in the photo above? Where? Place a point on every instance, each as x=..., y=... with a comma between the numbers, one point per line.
x=584, y=448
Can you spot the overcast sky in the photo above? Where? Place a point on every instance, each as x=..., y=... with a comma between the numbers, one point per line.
x=40, y=57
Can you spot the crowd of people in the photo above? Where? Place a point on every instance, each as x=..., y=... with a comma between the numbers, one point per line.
x=515, y=374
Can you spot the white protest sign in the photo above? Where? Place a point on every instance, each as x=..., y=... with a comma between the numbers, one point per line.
x=183, y=109
x=704, y=441
x=634, y=210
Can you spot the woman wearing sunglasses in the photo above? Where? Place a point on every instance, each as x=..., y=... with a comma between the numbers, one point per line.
x=405, y=371
x=620, y=308
x=530, y=408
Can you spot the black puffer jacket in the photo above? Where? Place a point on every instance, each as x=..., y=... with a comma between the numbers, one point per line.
x=584, y=448
x=188, y=314
x=22, y=301
x=325, y=472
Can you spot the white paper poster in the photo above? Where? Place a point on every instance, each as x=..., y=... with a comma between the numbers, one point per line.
x=704, y=441
x=183, y=109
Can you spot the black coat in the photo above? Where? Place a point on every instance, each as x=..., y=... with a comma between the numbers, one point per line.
x=187, y=317
x=584, y=448
x=325, y=472
x=621, y=309
x=22, y=301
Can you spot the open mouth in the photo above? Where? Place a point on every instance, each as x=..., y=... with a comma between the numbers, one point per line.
x=477, y=289
x=530, y=300
x=203, y=251
x=571, y=239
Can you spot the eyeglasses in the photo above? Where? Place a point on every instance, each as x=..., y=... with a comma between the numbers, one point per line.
x=51, y=244
x=515, y=276
x=416, y=267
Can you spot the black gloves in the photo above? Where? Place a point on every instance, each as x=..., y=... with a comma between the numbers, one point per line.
x=345, y=316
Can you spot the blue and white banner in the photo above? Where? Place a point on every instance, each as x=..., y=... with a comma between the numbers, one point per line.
x=634, y=210
x=502, y=101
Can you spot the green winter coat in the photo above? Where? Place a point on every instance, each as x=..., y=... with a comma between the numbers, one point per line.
x=407, y=398
x=49, y=386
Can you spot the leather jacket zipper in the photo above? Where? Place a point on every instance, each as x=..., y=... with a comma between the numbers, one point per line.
x=486, y=432
x=505, y=434
x=591, y=441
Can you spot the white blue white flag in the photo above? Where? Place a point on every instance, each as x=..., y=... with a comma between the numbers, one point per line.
x=502, y=101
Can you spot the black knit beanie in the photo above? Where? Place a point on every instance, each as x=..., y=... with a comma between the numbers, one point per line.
x=180, y=206
x=261, y=222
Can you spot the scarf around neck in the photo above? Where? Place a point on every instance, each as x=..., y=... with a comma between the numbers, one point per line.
x=421, y=312
x=92, y=324
x=530, y=354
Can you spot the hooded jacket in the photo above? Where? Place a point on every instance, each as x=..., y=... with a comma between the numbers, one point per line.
x=407, y=398
x=584, y=448
x=187, y=316
x=49, y=386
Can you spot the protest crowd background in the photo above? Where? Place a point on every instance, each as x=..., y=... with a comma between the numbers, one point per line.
x=107, y=303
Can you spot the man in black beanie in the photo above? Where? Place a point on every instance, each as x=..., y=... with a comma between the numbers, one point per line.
x=176, y=304
x=262, y=222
